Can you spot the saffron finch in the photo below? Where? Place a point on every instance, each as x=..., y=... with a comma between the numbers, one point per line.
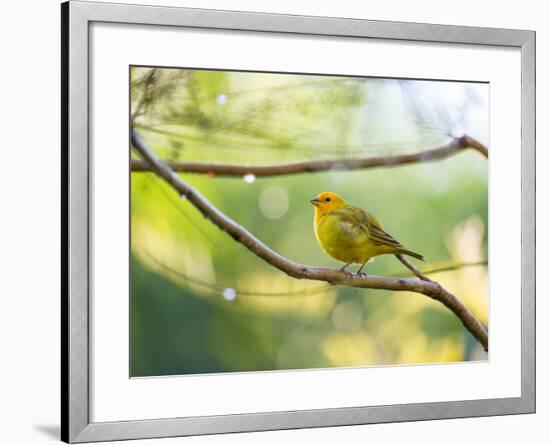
x=351, y=235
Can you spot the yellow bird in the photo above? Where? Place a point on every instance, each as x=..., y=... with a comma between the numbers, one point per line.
x=351, y=235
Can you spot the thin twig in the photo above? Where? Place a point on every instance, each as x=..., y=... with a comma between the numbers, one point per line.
x=456, y=266
x=455, y=146
x=179, y=209
x=300, y=271
x=446, y=268
x=239, y=292
x=412, y=268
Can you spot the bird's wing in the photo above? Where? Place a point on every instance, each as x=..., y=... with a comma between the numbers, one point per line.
x=377, y=233
x=353, y=222
x=363, y=224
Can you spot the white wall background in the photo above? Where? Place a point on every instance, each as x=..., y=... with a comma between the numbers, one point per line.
x=29, y=222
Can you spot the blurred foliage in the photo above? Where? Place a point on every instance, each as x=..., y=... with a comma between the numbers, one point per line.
x=199, y=300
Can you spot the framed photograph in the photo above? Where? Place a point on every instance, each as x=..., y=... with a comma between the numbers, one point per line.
x=275, y=222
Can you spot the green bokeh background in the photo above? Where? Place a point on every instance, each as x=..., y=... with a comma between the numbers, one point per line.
x=198, y=298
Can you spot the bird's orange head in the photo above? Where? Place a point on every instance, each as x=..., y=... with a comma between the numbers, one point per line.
x=327, y=202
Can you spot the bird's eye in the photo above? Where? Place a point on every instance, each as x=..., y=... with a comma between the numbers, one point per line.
x=327, y=199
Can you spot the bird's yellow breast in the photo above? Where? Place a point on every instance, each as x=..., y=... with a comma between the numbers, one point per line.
x=342, y=240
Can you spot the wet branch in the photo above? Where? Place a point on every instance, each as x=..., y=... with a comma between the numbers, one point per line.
x=296, y=270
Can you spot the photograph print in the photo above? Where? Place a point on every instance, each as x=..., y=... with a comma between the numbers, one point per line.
x=285, y=222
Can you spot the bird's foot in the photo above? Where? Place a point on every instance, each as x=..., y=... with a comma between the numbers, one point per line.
x=347, y=273
x=361, y=274
x=343, y=268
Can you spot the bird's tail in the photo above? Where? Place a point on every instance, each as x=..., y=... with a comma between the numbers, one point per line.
x=411, y=253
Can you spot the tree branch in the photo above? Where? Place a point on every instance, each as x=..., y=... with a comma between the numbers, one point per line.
x=455, y=146
x=300, y=271
x=476, y=145
x=294, y=293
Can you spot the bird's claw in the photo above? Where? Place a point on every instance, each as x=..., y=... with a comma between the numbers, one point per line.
x=361, y=274
x=349, y=274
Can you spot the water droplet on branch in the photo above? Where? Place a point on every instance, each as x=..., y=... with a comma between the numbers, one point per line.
x=229, y=294
x=249, y=178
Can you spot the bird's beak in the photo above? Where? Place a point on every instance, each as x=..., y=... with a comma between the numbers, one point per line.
x=315, y=201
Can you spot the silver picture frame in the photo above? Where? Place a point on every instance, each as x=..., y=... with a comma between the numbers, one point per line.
x=75, y=362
